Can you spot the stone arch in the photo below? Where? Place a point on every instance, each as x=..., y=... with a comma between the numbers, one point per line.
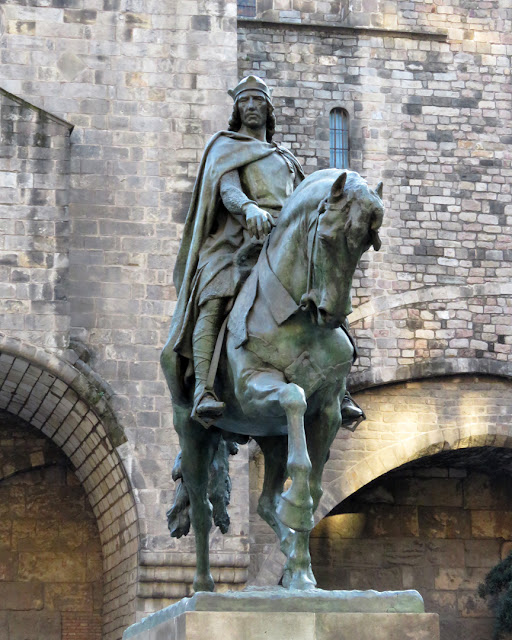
x=469, y=420
x=384, y=303
x=70, y=406
x=379, y=376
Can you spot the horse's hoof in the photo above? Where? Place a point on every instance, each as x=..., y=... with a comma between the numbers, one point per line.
x=300, y=581
x=204, y=583
x=293, y=516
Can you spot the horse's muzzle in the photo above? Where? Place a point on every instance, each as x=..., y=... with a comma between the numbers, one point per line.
x=327, y=320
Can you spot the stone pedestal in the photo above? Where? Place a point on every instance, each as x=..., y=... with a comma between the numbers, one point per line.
x=278, y=614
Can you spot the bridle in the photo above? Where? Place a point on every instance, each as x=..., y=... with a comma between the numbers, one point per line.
x=305, y=300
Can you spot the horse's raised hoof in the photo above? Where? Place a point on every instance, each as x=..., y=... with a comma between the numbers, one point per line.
x=299, y=580
x=204, y=583
x=293, y=516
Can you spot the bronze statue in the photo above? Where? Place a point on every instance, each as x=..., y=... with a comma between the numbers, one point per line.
x=287, y=352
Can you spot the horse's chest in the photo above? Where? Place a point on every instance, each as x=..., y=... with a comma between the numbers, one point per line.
x=307, y=355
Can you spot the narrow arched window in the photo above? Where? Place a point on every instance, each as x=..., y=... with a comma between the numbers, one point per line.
x=246, y=8
x=338, y=121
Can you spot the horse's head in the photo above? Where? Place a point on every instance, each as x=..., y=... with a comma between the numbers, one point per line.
x=348, y=222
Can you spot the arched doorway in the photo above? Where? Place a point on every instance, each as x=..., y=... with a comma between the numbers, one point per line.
x=70, y=407
x=437, y=525
x=51, y=569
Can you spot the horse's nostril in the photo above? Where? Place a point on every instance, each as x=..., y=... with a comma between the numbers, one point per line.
x=324, y=316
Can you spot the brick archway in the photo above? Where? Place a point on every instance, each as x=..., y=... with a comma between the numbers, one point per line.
x=410, y=421
x=70, y=406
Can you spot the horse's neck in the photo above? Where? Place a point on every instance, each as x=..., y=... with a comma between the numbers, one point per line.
x=287, y=252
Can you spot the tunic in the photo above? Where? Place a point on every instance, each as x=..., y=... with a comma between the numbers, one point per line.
x=266, y=182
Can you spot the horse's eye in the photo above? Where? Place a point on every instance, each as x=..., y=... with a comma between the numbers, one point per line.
x=327, y=238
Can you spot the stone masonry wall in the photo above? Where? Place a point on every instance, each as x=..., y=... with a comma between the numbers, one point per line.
x=465, y=16
x=432, y=119
x=51, y=573
x=438, y=530
x=34, y=223
x=144, y=83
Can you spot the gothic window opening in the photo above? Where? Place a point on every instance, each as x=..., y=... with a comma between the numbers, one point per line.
x=338, y=121
x=246, y=8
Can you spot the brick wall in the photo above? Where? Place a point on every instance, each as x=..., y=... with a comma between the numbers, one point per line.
x=435, y=529
x=51, y=572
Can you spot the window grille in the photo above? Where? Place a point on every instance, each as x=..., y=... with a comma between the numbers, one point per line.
x=338, y=121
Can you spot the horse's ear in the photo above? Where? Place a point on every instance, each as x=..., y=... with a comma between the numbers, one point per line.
x=379, y=188
x=338, y=187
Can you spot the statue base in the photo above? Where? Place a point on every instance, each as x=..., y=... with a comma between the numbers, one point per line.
x=278, y=614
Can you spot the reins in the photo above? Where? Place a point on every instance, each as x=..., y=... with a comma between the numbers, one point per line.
x=310, y=247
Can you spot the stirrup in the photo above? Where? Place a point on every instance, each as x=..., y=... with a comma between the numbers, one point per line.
x=207, y=410
x=351, y=414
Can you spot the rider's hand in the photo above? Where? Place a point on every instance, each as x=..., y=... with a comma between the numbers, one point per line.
x=259, y=222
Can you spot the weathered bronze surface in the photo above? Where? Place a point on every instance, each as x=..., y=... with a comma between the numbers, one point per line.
x=282, y=374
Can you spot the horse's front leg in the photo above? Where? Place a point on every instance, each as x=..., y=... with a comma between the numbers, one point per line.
x=295, y=508
x=198, y=446
x=321, y=431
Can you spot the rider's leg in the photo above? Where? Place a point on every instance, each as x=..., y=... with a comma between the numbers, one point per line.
x=206, y=331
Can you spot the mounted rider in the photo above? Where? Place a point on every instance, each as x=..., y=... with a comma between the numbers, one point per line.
x=243, y=182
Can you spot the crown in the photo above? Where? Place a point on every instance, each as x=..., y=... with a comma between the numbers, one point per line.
x=251, y=83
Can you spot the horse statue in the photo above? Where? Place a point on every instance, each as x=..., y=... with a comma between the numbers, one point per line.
x=282, y=371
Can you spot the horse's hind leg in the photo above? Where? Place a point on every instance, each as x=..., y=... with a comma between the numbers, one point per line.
x=198, y=446
x=274, y=451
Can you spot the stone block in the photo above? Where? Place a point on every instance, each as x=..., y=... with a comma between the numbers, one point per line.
x=276, y=614
x=8, y=565
x=439, y=522
x=453, y=579
x=471, y=605
x=21, y=596
x=376, y=626
x=214, y=625
x=34, y=625
x=4, y=629
x=430, y=492
x=68, y=597
x=52, y=566
x=482, y=553
x=491, y=524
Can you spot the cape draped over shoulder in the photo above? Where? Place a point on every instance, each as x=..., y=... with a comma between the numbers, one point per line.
x=226, y=151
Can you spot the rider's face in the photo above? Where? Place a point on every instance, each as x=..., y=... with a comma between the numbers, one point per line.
x=253, y=109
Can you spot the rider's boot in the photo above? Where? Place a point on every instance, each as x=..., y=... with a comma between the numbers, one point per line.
x=350, y=411
x=207, y=407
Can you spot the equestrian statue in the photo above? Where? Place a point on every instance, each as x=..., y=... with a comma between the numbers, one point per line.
x=259, y=345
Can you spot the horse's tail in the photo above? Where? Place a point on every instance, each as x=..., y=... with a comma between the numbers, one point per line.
x=178, y=516
x=219, y=492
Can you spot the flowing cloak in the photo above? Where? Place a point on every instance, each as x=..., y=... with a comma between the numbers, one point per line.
x=226, y=151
